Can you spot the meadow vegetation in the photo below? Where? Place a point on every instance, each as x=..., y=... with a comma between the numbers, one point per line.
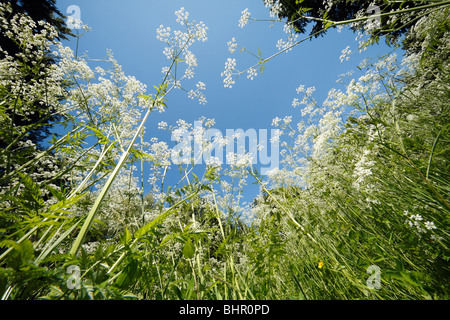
x=363, y=183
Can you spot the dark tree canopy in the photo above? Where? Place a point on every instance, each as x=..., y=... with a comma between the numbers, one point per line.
x=317, y=12
x=37, y=10
x=44, y=116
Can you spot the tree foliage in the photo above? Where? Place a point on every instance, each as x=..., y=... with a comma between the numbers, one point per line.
x=363, y=184
x=27, y=119
x=320, y=14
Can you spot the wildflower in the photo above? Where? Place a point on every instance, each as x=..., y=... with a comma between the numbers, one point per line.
x=251, y=73
x=276, y=121
x=345, y=54
x=190, y=59
x=287, y=120
x=244, y=18
x=310, y=91
x=230, y=65
x=182, y=16
x=232, y=45
x=291, y=40
x=301, y=88
x=295, y=102
x=320, y=265
x=430, y=225
x=276, y=136
x=275, y=7
x=162, y=125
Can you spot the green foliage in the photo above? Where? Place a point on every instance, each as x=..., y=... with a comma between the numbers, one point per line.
x=326, y=14
x=375, y=192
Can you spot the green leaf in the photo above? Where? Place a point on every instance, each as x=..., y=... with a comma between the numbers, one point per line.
x=143, y=230
x=102, y=139
x=56, y=193
x=126, y=277
x=206, y=187
x=406, y=277
x=262, y=67
x=177, y=291
x=189, y=249
x=126, y=237
x=143, y=96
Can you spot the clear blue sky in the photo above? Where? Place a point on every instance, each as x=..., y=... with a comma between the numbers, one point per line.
x=129, y=29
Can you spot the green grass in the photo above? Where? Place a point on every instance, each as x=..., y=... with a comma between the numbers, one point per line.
x=376, y=195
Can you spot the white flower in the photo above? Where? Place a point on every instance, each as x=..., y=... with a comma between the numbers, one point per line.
x=164, y=70
x=276, y=121
x=232, y=45
x=310, y=91
x=245, y=16
x=162, y=125
x=275, y=7
x=287, y=120
x=345, y=54
x=201, y=86
x=169, y=53
x=273, y=172
x=276, y=136
x=182, y=16
x=197, y=93
x=189, y=73
x=190, y=59
x=363, y=169
x=163, y=34
x=201, y=31
x=295, y=103
x=301, y=88
x=230, y=66
x=430, y=225
x=251, y=73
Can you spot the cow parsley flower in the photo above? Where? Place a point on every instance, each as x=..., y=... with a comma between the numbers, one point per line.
x=245, y=17
x=301, y=88
x=182, y=16
x=430, y=225
x=232, y=45
x=345, y=54
x=162, y=125
x=251, y=73
x=276, y=121
x=230, y=66
x=275, y=7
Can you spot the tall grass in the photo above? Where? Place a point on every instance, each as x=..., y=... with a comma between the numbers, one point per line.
x=375, y=196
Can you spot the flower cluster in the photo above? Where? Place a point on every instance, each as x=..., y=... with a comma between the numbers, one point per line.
x=290, y=42
x=275, y=7
x=363, y=169
x=416, y=221
x=232, y=45
x=245, y=17
x=177, y=46
x=198, y=93
x=230, y=66
x=45, y=86
x=27, y=83
x=110, y=95
x=345, y=54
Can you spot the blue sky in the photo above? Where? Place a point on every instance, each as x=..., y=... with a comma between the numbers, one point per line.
x=128, y=28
